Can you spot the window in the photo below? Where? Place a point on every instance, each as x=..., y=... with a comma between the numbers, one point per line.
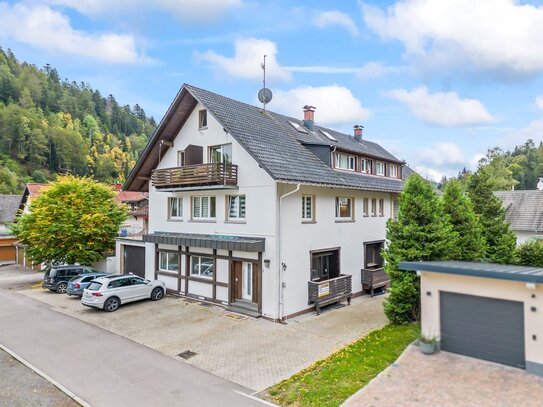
x=393, y=171
x=366, y=207
x=328, y=135
x=325, y=265
x=308, y=214
x=345, y=162
x=236, y=207
x=395, y=208
x=221, y=154
x=201, y=266
x=381, y=207
x=168, y=261
x=203, y=207
x=365, y=166
x=175, y=208
x=202, y=119
x=181, y=158
x=373, y=255
x=136, y=281
x=374, y=207
x=344, y=208
x=298, y=127
x=380, y=168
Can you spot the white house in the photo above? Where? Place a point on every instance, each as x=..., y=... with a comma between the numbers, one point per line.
x=247, y=207
x=523, y=213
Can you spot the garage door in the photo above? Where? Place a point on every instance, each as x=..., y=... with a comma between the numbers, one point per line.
x=484, y=328
x=134, y=260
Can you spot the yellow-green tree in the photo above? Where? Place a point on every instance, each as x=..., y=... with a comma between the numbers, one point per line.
x=74, y=220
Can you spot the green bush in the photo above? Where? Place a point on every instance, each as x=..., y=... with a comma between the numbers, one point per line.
x=530, y=253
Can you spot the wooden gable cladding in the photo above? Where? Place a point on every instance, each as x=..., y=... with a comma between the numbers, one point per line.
x=194, y=155
x=167, y=130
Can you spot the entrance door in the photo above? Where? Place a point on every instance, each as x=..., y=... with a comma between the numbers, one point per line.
x=244, y=284
x=134, y=260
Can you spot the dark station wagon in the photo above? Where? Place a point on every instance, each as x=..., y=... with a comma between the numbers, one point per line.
x=56, y=278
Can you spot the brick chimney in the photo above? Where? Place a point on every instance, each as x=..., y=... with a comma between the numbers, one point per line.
x=358, y=132
x=309, y=116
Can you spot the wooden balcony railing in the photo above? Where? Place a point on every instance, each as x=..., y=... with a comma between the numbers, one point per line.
x=374, y=278
x=196, y=175
x=326, y=292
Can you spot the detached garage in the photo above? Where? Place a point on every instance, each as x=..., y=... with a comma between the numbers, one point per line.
x=487, y=311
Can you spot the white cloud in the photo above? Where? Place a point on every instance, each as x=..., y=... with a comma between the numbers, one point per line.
x=500, y=36
x=534, y=131
x=248, y=55
x=539, y=102
x=374, y=70
x=186, y=10
x=335, y=18
x=41, y=27
x=442, y=108
x=441, y=154
x=335, y=104
x=433, y=174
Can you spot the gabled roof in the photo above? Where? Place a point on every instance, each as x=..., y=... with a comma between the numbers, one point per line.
x=9, y=205
x=34, y=189
x=269, y=138
x=130, y=196
x=524, y=209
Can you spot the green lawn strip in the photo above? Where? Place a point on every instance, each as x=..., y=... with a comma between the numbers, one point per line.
x=332, y=380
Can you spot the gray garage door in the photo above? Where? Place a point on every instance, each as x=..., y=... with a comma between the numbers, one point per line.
x=484, y=328
x=134, y=260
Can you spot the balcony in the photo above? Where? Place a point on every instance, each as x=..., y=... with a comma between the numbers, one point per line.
x=374, y=278
x=196, y=177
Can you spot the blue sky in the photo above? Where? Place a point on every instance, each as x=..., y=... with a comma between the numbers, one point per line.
x=435, y=82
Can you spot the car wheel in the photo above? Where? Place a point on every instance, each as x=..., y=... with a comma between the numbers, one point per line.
x=111, y=304
x=61, y=288
x=157, y=294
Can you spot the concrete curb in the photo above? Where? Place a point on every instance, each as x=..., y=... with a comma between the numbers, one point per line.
x=46, y=377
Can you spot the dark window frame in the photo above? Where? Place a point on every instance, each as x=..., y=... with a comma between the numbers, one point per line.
x=371, y=246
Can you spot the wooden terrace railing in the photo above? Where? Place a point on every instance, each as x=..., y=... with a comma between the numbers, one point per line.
x=195, y=175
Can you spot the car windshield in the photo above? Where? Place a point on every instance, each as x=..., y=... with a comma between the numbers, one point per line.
x=94, y=286
x=74, y=278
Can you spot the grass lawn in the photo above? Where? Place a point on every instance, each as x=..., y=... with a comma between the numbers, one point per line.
x=330, y=381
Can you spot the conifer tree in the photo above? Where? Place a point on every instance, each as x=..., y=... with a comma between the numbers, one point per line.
x=458, y=208
x=420, y=233
x=501, y=242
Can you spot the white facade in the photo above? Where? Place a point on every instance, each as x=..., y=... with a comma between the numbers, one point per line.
x=285, y=263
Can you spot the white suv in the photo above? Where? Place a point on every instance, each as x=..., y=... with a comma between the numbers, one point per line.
x=109, y=292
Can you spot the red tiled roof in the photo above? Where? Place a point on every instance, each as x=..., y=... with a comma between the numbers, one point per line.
x=34, y=189
x=130, y=196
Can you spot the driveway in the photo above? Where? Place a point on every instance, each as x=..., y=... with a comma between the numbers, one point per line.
x=253, y=353
x=446, y=379
x=99, y=367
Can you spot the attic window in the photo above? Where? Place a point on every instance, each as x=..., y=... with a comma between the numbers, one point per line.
x=298, y=127
x=202, y=119
x=328, y=135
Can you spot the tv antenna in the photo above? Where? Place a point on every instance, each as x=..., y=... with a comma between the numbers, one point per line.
x=264, y=95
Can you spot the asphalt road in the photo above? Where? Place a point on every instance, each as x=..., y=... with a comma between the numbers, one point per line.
x=101, y=368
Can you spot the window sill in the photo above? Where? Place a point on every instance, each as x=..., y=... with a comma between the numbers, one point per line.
x=239, y=222
x=202, y=128
x=345, y=220
x=174, y=220
x=203, y=220
x=197, y=278
x=308, y=222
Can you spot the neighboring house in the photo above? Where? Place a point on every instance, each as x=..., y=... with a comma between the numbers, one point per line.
x=32, y=191
x=9, y=206
x=137, y=222
x=524, y=212
x=247, y=207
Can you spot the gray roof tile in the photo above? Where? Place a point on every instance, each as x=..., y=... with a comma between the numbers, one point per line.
x=278, y=147
x=524, y=209
x=9, y=205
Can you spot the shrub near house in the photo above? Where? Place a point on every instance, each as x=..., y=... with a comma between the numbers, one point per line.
x=74, y=220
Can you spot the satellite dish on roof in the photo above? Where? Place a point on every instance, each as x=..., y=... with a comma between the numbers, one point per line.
x=265, y=95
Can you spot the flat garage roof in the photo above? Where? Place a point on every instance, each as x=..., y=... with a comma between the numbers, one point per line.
x=485, y=270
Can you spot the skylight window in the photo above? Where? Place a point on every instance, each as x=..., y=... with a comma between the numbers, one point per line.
x=298, y=127
x=328, y=135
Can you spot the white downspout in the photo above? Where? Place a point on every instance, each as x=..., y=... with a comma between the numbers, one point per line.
x=282, y=249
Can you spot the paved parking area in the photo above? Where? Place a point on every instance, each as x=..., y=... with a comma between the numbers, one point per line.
x=446, y=379
x=254, y=353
